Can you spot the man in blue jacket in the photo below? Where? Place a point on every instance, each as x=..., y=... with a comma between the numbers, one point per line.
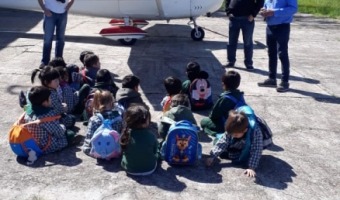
x=278, y=15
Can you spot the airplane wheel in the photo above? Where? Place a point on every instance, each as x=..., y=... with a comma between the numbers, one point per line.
x=199, y=35
x=128, y=41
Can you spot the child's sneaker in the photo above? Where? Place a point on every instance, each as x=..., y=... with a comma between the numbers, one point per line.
x=283, y=87
x=267, y=83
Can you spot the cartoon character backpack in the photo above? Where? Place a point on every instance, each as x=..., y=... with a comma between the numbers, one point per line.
x=21, y=140
x=181, y=145
x=105, y=140
x=200, y=94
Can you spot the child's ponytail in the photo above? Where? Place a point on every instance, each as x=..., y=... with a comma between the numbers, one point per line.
x=125, y=138
x=34, y=73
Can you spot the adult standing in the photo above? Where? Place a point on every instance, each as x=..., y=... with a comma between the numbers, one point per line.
x=241, y=15
x=278, y=15
x=55, y=19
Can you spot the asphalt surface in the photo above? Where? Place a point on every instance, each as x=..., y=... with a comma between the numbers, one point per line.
x=303, y=164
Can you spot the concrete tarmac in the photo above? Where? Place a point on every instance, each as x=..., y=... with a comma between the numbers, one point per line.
x=303, y=164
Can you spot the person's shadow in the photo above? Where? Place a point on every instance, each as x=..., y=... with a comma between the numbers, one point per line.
x=162, y=179
x=274, y=173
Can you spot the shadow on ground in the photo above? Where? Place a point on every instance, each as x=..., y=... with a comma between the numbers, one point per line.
x=274, y=173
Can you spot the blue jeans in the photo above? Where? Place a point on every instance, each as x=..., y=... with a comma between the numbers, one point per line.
x=235, y=25
x=58, y=23
x=277, y=37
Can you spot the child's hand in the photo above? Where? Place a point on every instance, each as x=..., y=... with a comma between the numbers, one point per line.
x=209, y=162
x=250, y=173
x=64, y=107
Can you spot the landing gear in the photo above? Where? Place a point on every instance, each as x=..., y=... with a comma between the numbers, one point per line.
x=127, y=41
x=197, y=33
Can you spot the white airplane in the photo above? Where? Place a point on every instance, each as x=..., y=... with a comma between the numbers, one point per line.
x=130, y=15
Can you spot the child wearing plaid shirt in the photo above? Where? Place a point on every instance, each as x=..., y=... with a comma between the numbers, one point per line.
x=50, y=136
x=103, y=103
x=233, y=144
x=49, y=78
x=73, y=99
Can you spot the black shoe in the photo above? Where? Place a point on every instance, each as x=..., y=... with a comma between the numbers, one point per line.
x=42, y=66
x=250, y=67
x=283, y=87
x=267, y=83
x=229, y=65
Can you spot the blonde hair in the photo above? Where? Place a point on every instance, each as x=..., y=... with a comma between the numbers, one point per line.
x=102, y=99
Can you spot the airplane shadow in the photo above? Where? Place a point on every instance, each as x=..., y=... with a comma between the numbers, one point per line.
x=11, y=22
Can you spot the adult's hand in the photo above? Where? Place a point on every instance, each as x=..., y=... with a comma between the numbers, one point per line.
x=47, y=12
x=250, y=18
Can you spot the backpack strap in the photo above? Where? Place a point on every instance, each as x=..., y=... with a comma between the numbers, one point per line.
x=39, y=121
x=232, y=98
x=100, y=116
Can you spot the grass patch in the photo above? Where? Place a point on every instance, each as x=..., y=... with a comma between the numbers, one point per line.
x=329, y=8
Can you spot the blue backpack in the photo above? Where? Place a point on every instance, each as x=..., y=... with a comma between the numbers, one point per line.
x=181, y=146
x=105, y=140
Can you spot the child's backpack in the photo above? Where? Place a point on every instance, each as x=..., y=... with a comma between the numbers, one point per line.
x=253, y=122
x=181, y=146
x=22, y=141
x=200, y=94
x=266, y=132
x=105, y=140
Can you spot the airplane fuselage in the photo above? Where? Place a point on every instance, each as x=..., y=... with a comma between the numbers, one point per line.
x=142, y=9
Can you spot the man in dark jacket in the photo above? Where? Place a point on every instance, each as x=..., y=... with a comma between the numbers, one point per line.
x=241, y=15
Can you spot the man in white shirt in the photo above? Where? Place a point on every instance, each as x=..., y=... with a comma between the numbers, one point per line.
x=55, y=19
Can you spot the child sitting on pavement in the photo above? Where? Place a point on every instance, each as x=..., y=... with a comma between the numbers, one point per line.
x=104, y=81
x=50, y=136
x=73, y=99
x=104, y=104
x=179, y=110
x=215, y=122
x=233, y=144
x=92, y=66
x=138, y=143
x=173, y=86
x=49, y=78
x=129, y=94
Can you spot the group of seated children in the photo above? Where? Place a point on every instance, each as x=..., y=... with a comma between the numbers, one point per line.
x=65, y=89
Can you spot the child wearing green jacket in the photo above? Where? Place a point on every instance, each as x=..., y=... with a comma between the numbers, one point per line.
x=138, y=143
x=215, y=122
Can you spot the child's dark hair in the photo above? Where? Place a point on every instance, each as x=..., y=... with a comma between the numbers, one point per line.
x=180, y=99
x=90, y=60
x=193, y=70
x=135, y=116
x=71, y=68
x=63, y=73
x=83, y=54
x=130, y=81
x=104, y=76
x=46, y=75
x=231, y=80
x=57, y=61
x=236, y=122
x=172, y=85
x=38, y=94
